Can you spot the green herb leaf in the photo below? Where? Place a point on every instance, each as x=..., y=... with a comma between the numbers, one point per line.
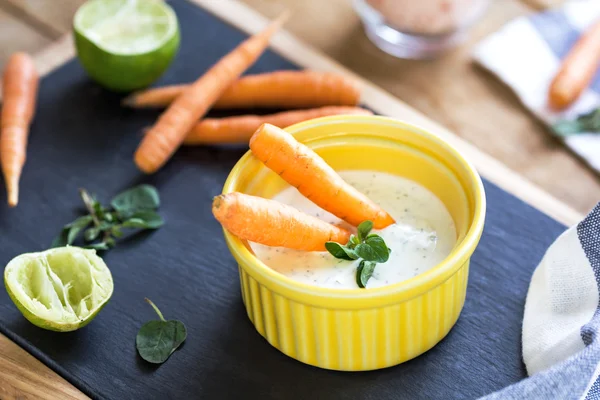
x=585, y=123
x=373, y=249
x=339, y=251
x=116, y=231
x=151, y=219
x=139, y=198
x=353, y=241
x=62, y=239
x=91, y=234
x=134, y=208
x=364, y=272
x=97, y=246
x=363, y=230
x=77, y=226
x=157, y=340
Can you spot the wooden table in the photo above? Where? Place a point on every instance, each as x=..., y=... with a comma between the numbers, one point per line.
x=480, y=112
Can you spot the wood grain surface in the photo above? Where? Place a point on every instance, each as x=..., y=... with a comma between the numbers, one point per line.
x=462, y=97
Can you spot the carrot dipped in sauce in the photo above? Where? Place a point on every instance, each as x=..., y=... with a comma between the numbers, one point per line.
x=272, y=223
x=239, y=129
x=279, y=89
x=161, y=141
x=19, y=91
x=577, y=69
x=314, y=178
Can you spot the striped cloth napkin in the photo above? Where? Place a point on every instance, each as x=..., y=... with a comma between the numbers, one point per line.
x=561, y=346
x=526, y=54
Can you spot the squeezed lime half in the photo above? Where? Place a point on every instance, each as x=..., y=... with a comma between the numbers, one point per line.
x=126, y=44
x=60, y=289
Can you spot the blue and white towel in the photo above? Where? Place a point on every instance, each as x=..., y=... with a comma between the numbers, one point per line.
x=526, y=54
x=561, y=325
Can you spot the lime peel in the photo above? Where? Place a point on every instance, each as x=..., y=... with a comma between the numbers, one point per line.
x=60, y=289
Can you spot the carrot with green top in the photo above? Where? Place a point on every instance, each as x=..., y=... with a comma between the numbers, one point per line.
x=302, y=168
x=19, y=91
x=272, y=223
x=279, y=89
x=239, y=129
x=161, y=141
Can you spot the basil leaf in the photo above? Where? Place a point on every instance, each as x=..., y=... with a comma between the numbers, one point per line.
x=339, y=251
x=91, y=234
x=353, y=241
x=364, y=272
x=363, y=230
x=157, y=340
x=142, y=197
x=373, y=249
x=76, y=226
x=151, y=219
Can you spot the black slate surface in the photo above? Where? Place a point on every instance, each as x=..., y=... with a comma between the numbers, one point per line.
x=83, y=138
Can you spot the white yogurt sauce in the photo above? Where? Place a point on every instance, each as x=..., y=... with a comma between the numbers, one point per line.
x=423, y=235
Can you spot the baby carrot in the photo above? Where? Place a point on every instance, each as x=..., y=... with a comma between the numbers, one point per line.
x=168, y=133
x=577, y=70
x=314, y=178
x=279, y=89
x=272, y=223
x=239, y=129
x=19, y=91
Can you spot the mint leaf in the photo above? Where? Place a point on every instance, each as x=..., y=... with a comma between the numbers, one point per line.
x=151, y=219
x=363, y=230
x=382, y=253
x=76, y=226
x=97, y=246
x=62, y=239
x=364, y=272
x=91, y=234
x=339, y=251
x=157, y=340
x=139, y=198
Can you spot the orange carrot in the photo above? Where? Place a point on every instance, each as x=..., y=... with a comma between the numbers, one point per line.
x=314, y=178
x=19, y=91
x=280, y=89
x=173, y=125
x=577, y=70
x=239, y=129
x=272, y=223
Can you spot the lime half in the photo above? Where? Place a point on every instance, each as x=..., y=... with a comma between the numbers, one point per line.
x=126, y=44
x=60, y=289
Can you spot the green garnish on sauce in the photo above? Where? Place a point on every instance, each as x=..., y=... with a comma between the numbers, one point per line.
x=370, y=248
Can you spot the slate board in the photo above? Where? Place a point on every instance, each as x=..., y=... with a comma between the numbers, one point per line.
x=81, y=137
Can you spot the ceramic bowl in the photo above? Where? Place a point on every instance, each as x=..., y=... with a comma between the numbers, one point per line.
x=364, y=329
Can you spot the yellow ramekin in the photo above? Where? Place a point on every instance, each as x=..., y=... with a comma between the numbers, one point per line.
x=359, y=329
